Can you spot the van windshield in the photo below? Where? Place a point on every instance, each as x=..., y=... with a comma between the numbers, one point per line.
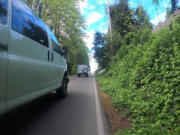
x=82, y=67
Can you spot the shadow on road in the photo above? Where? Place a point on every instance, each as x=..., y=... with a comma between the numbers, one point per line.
x=20, y=118
x=48, y=115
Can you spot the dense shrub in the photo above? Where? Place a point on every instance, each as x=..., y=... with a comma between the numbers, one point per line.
x=144, y=79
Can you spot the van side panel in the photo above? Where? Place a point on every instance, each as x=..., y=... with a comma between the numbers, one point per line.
x=11, y=103
x=3, y=65
x=29, y=68
x=4, y=26
x=58, y=62
x=59, y=67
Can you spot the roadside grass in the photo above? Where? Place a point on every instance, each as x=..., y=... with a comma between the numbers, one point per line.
x=144, y=80
x=117, y=120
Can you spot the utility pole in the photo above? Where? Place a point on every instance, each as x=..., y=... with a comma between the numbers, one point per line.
x=109, y=19
x=110, y=26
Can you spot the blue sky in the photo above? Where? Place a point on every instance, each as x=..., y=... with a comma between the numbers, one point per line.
x=155, y=12
x=94, y=13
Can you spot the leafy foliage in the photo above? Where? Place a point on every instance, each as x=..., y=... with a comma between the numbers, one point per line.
x=65, y=20
x=144, y=79
x=141, y=17
x=121, y=17
x=99, y=42
x=126, y=23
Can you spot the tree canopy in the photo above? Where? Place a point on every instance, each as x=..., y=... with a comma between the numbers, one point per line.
x=65, y=20
x=127, y=25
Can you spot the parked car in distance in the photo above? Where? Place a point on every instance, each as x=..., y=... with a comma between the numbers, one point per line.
x=83, y=70
x=32, y=61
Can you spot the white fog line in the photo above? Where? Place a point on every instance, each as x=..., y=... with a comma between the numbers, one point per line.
x=99, y=117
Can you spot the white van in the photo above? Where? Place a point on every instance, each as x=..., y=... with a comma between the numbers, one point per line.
x=83, y=70
x=32, y=62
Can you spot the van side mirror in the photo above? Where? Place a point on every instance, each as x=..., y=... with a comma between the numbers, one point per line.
x=64, y=50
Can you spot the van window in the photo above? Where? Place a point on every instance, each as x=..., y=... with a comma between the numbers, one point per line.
x=55, y=44
x=55, y=47
x=40, y=34
x=3, y=11
x=25, y=22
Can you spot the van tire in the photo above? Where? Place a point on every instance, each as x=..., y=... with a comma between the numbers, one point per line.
x=62, y=91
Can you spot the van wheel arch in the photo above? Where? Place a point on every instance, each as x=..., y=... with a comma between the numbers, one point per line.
x=62, y=91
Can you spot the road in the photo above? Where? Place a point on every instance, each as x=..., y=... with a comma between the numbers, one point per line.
x=78, y=114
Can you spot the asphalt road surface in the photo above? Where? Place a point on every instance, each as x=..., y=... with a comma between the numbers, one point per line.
x=77, y=114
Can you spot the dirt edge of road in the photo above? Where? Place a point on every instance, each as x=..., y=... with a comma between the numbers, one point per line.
x=115, y=121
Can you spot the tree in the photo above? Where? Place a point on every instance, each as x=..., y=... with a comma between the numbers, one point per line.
x=33, y=3
x=122, y=23
x=173, y=5
x=142, y=17
x=127, y=28
x=64, y=19
x=168, y=12
x=121, y=17
x=99, y=54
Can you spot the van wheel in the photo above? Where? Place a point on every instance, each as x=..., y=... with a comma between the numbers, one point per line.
x=62, y=91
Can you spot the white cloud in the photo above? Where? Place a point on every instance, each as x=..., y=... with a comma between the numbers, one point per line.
x=83, y=4
x=150, y=8
x=91, y=7
x=104, y=27
x=165, y=4
x=132, y=4
x=110, y=2
x=159, y=18
x=89, y=39
x=94, y=17
x=103, y=30
x=101, y=1
x=93, y=63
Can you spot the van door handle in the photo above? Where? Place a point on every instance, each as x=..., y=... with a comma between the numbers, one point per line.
x=52, y=56
x=48, y=55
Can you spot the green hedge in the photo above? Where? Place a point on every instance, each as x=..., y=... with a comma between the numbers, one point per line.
x=144, y=80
